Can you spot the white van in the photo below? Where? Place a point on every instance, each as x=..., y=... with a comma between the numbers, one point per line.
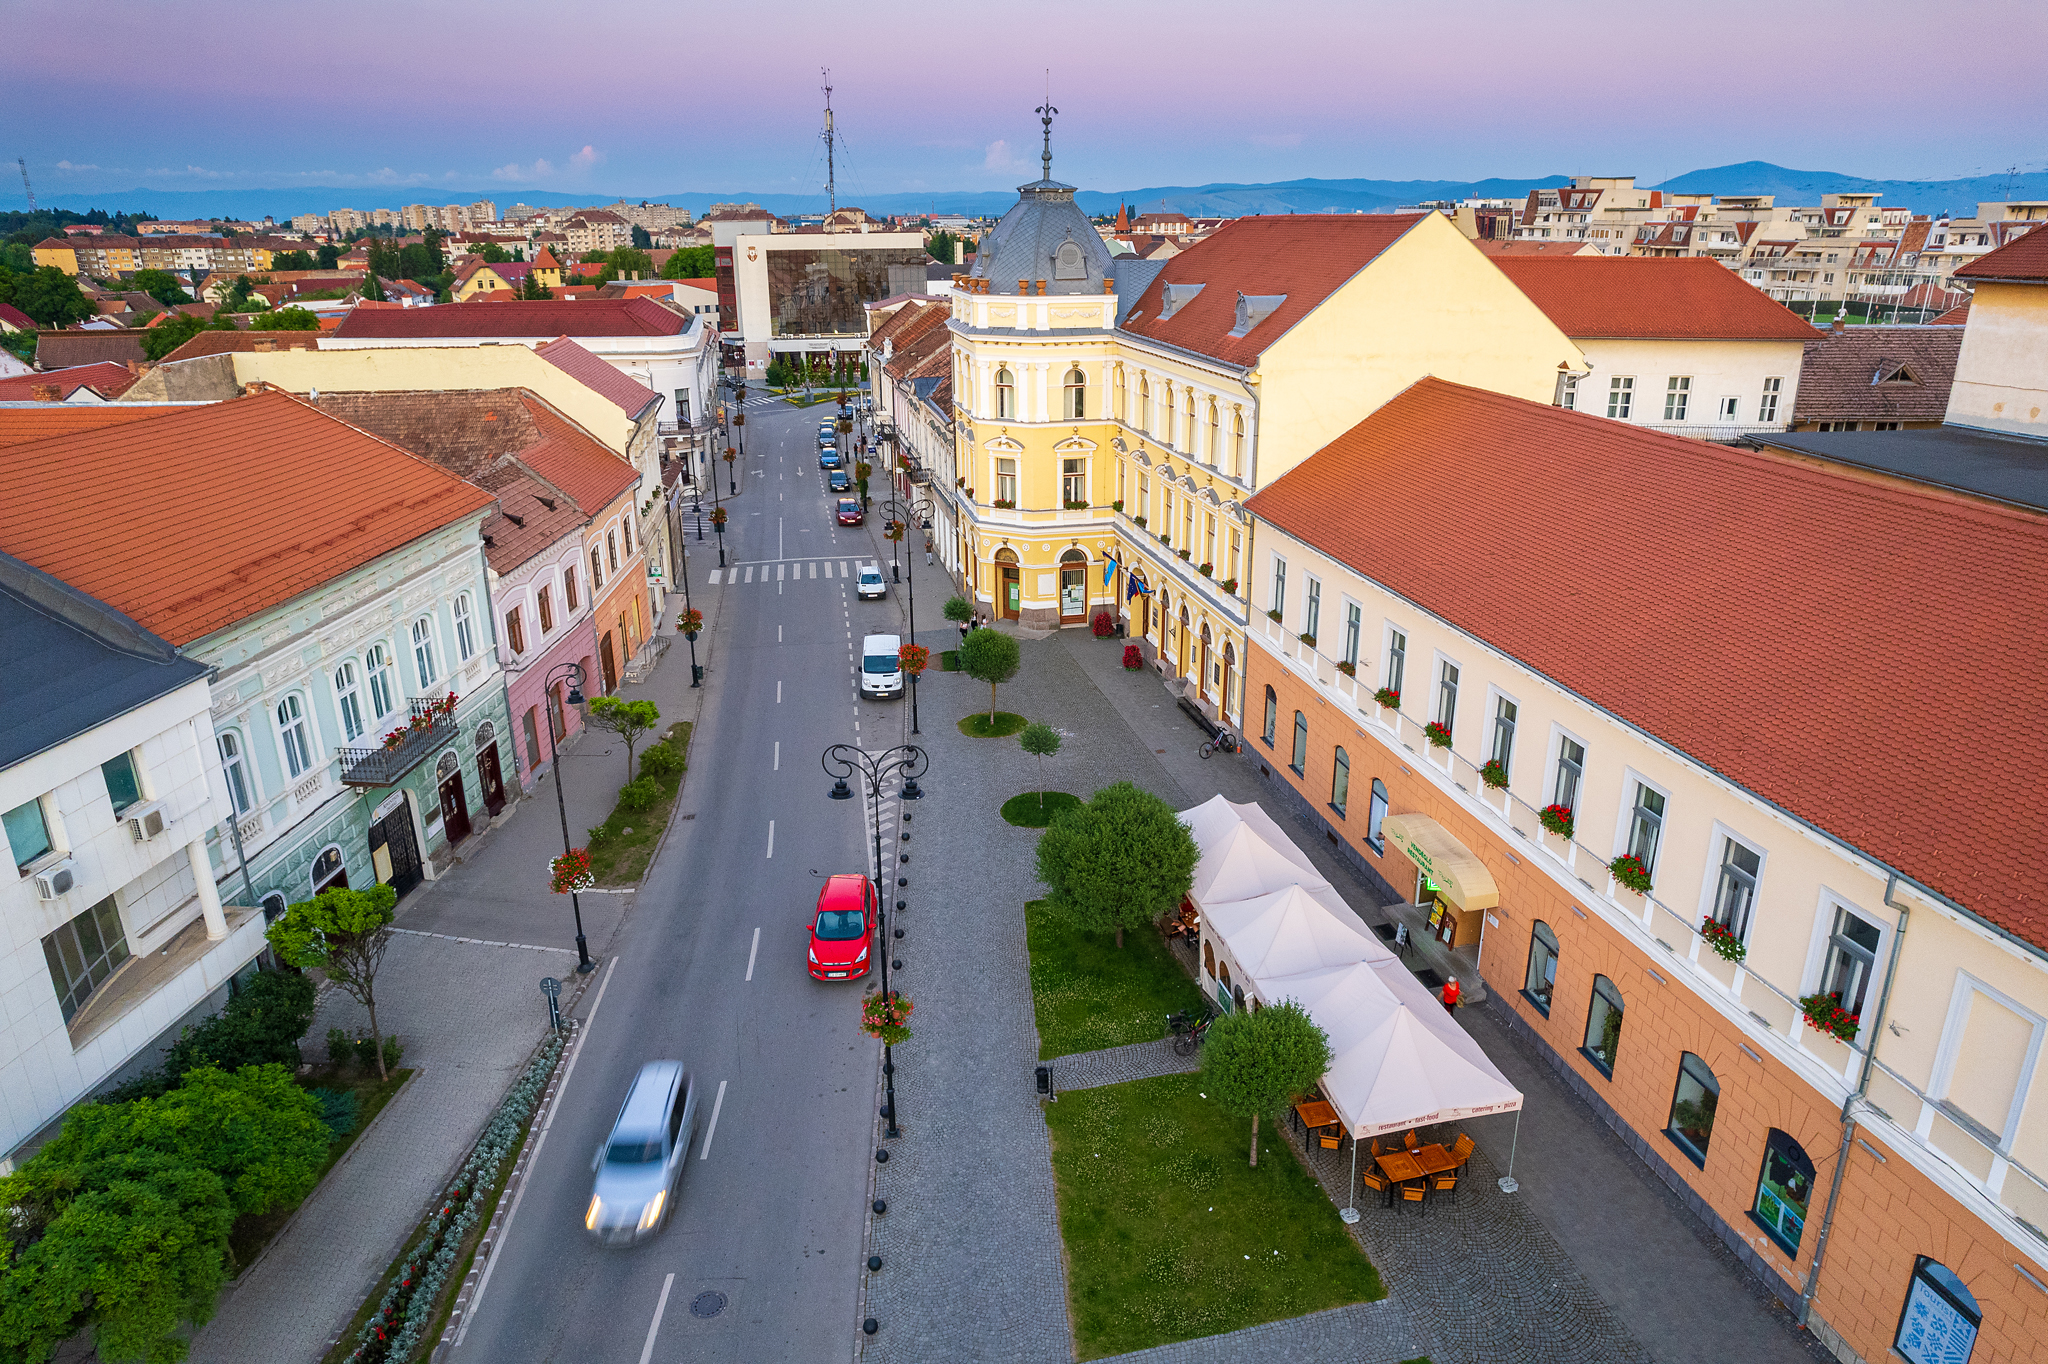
x=881, y=666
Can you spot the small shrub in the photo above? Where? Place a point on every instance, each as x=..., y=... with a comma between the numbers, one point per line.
x=338, y=1109
x=341, y=1048
x=366, y=1050
x=393, y=1049
x=660, y=762
x=638, y=796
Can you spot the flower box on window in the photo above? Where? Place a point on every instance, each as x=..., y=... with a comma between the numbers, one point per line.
x=1388, y=698
x=1140, y=521
x=1825, y=1012
x=1274, y=614
x=1309, y=640
x=1348, y=669
x=1494, y=774
x=1557, y=819
x=1230, y=586
x=1007, y=503
x=1726, y=945
x=1438, y=736
x=1073, y=505
x=1206, y=570
x=1117, y=505
x=1629, y=871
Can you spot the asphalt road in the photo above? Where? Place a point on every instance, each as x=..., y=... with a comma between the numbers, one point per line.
x=710, y=969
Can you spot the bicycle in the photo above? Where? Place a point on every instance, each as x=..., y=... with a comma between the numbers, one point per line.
x=1224, y=742
x=1187, y=1031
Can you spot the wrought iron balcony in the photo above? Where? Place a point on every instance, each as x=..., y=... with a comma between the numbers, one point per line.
x=432, y=725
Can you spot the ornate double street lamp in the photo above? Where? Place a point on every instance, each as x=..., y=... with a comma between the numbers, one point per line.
x=905, y=762
x=903, y=517
x=573, y=674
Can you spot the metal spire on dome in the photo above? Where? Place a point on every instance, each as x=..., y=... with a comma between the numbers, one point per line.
x=1045, y=112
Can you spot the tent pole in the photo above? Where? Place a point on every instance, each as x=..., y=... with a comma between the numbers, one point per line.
x=1507, y=1181
x=1350, y=1211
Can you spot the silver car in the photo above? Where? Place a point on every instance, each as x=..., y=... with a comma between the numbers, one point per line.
x=640, y=1164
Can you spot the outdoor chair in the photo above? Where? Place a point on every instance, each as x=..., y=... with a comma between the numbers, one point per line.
x=1446, y=1183
x=1378, y=1183
x=1412, y=1193
x=1411, y=1141
x=1461, y=1150
x=1376, y=1152
x=1330, y=1138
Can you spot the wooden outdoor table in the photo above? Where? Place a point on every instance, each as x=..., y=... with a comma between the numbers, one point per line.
x=1434, y=1160
x=1400, y=1166
x=1315, y=1113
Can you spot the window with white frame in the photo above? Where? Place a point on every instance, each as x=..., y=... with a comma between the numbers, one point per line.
x=1397, y=661
x=1735, y=886
x=1354, y=625
x=1340, y=782
x=1215, y=435
x=569, y=587
x=1076, y=405
x=611, y=550
x=1312, y=611
x=1767, y=406
x=1006, y=480
x=1006, y=396
x=1237, y=447
x=515, y=630
x=1503, y=750
x=1447, y=694
x=348, y=701
x=292, y=737
x=1621, y=396
x=544, y=603
x=465, y=628
x=1279, y=602
x=1571, y=769
x=423, y=652
x=1677, y=394
x=1376, y=815
x=382, y=679
x=234, y=768
x=1299, y=761
x=1073, y=481
x=1646, y=826
x=1850, y=959
x=1728, y=407
x=1166, y=405
x=1989, y=1051
x=1236, y=549
x=1145, y=404
x=596, y=568
x=626, y=531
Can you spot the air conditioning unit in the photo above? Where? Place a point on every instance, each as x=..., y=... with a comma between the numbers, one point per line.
x=146, y=821
x=56, y=879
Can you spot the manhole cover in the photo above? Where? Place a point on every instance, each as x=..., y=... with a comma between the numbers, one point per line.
x=709, y=1303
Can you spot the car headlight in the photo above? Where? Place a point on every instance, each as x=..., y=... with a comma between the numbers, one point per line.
x=814, y=956
x=596, y=1207
x=863, y=953
x=652, y=1214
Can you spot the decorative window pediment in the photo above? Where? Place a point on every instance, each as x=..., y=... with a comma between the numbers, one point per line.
x=1075, y=445
x=1005, y=446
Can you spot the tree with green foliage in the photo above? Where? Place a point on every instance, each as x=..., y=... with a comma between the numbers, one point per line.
x=1041, y=741
x=593, y=257
x=1119, y=860
x=1257, y=1063
x=285, y=320
x=20, y=344
x=373, y=288
x=533, y=289
x=50, y=296
x=627, y=719
x=959, y=610
x=291, y=260
x=943, y=247
x=261, y=1024
x=627, y=261
x=642, y=239
x=161, y=285
x=326, y=257
x=237, y=295
x=18, y=257
x=490, y=253
x=173, y=332
x=689, y=262
x=990, y=656
x=341, y=933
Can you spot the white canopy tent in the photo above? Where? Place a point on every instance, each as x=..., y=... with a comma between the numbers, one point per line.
x=1286, y=932
x=1243, y=854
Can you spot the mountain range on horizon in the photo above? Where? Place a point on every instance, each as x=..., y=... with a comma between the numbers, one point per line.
x=1957, y=197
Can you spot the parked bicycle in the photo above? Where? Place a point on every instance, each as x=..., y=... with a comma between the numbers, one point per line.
x=1224, y=742
x=1187, y=1028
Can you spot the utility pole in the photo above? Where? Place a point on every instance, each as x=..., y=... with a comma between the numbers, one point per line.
x=831, y=176
x=23, y=163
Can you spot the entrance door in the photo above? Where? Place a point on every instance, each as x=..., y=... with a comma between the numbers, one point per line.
x=1202, y=667
x=394, y=852
x=493, y=779
x=607, y=664
x=1013, y=593
x=1073, y=593
x=454, y=807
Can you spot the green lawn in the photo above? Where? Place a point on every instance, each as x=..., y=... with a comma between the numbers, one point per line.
x=1088, y=994
x=1171, y=1235
x=949, y=661
x=1035, y=809
x=979, y=726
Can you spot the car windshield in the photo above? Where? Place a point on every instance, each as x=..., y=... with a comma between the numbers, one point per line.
x=848, y=505
x=879, y=663
x=632, y=1149
x=870, y=576
x=839, y=925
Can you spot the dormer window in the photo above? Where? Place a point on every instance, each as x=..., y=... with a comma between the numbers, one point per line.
x=1892, y=372
x=1174, y=297
x=1069, y=262
x=1252, y=309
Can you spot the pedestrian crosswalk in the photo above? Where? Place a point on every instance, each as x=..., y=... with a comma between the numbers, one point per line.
x=787, y=570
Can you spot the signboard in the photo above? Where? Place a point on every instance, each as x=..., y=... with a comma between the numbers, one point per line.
x=654, y=571
x=387, y=805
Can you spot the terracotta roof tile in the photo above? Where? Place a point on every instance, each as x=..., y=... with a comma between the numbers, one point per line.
x=1645, y=297
x=41, y=421
x=1841, y=587
x=1882, y=373
x=2024, y=258
x=106, y=378
x=226, y=343
x=593, y=317
x=206, y=540
x=609, y=382
x=530, y=519
x=69, y=349
x=1306, y=257
x=1954, y=317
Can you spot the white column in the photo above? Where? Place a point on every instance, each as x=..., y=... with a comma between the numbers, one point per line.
x=209, y=893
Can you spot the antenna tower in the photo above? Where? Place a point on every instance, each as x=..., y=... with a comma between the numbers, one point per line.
x=21, y=162
x=831, y=176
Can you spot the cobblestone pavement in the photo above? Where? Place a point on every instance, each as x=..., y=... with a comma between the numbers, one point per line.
x=1114, y=1065
x=1363, y=1333
x=468, y=1015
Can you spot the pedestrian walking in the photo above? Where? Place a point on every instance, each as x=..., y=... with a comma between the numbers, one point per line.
x=965, y=626
x=1451, y=993
x=927, y=554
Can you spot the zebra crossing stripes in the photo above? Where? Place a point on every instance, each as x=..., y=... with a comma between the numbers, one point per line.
x=783, y=571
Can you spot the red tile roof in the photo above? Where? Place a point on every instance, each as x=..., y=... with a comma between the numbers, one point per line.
x=19, y=425
x=1494, y=247
x=67, y=349
x=1305, y=256
x=1693, y=298
x=2024, y=258
x=1881, y=373
x=594, y=317
x=1845, y=586
x=106, y=378
x=15, y=319
x=609, y=382
x=225, y=343
x=572, y=460
x=206, y=540
x=1954, y=317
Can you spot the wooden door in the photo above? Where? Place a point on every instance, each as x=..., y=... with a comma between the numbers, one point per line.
x=492, y=778
x=394, y=852
x=454, y=808
x=608, y=666
x=1013, y=592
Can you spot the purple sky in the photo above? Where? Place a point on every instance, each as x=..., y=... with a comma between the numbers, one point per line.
x=670, y=98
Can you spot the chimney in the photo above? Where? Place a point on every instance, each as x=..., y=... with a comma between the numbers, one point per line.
x=252, y=388
x=135, y=368
x=43, y=393
x=1840, y=323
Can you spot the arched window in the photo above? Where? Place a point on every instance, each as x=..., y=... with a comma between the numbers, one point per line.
x=1120, y=391
x=1209, y=958
x=327, y=869
x=383, y=686
x=1006, y=396
x=1940, y=1323
x=1188, y=412
x=1376, y=815
x=465, y=628
x=1223, y=973
x=545, y=601
x=1076, y=407
x=596, y=568
x=348, y=701
x=1603, y=1025
x=1692, y=1107
x=1540, y=984
x=1340, y=782
x=1215, y=436
x=1272, y=717
x=1145, y=404
x=569, y=586
x=1167, y=408
x=1300, y=760
x=611, y=550
x=1230, y=679
x=423, y=651
x=273, y=907
x=1783, y=1190
x=235, y=770
x=626, y=535
x=1237, y=446
x=291, y=735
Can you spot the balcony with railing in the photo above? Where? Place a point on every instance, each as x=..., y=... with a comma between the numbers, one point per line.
x=432, y=725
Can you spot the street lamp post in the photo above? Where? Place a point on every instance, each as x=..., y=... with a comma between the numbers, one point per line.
x=906, y=515
x=696, y=673
x=573, y=674
x=907, y=761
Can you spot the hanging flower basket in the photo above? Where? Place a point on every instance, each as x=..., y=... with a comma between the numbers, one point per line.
x=692, y=622
x=1826, y=1013
x=1438, y=736
x=570, y=871
x=1630, y=871
x=912, y=658
x=718, y=519
x=1494, y=774
x=1726, y=945
x=1557, y=819
x=884, y=1016
x=1388, y=697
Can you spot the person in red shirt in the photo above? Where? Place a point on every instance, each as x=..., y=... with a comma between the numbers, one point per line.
x=1451, y=993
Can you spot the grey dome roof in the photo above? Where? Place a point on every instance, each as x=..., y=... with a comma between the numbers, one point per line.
x=1028, y=244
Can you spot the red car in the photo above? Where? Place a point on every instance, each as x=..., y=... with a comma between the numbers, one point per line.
x=849, y=511
x=843, y=928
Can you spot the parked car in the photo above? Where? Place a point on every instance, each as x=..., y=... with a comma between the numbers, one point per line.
x=881, y=666
x=641, y=1162
x=850, y=513
x=871, y=585
x=828, y=458
x=838, y=482
x=843, y=928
